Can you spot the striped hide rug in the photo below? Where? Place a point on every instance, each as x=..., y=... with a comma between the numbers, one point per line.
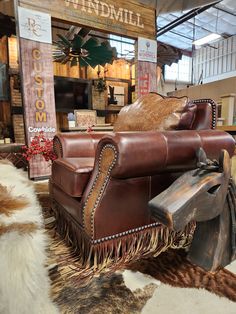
x=24, y=281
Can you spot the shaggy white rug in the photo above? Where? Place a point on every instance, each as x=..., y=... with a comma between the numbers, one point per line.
x=24, y=282
x=167, y=299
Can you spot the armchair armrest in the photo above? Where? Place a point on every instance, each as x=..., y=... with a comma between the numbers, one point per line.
x=76, y=144
x=148, y=153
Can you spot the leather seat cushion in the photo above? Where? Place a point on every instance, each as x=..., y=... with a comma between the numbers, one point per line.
x=72, y=174
x=154, y=112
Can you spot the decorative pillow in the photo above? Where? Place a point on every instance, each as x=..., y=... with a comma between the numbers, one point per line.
x=155, y=112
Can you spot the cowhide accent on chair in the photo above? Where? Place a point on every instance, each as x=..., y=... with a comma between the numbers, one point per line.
x=101, y=183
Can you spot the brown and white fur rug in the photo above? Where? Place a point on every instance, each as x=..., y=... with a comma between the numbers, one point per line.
x=24, y=282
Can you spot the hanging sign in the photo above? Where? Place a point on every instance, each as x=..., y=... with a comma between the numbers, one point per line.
x=34, y=25
x=147, y=50
x=38, y=81
x=128, y=18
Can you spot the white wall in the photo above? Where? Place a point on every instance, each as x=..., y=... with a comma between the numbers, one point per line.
x=213, y=90
x=215, y=61
x=167, y=87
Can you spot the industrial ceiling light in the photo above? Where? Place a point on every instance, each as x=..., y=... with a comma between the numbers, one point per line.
x=207, y=39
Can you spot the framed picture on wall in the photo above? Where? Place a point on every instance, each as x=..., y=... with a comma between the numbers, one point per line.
x=85, y=118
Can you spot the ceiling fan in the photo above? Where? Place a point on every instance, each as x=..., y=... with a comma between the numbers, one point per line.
x=83, y=50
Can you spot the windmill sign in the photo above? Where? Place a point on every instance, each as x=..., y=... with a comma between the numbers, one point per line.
x=128, y=18
x=37, y=77
x=147, y=50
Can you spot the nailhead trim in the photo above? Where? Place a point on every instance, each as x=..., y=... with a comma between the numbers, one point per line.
x=213, y=106
x=122, y=234
x=107, y=146
x=56, y=144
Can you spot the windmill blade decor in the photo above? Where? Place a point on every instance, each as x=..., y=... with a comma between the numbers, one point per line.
x=83, y=51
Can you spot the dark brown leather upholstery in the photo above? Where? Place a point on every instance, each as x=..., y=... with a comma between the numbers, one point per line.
x=72, y=174
x=101, y=183
x=148, y=153
x=66, y=144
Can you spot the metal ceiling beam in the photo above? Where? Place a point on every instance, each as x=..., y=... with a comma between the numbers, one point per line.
x=181, y=35
x=224, y=10
x=184, y=18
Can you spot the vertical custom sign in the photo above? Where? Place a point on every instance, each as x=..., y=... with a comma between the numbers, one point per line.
x=146, y=66
x=38, y=83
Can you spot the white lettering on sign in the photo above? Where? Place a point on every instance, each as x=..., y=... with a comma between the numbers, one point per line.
x=45, y=129
x=109, y=11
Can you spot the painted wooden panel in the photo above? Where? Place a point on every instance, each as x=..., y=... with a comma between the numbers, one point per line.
x=122, y=17
x=38, y=96
x=146, y=78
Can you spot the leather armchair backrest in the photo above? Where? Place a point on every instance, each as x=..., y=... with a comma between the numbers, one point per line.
x=76, y=144
x=149, y=153
x=206, y=115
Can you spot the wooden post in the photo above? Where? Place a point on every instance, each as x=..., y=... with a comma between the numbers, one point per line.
x=227, y=108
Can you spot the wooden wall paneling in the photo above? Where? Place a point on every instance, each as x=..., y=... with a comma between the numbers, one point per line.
x=119, y=69
x=122, y=17
x=67, y=71
x=13, y=53
x=62, y=121
x=7, y=7
x=3, y=50
x=146, y=78
x=5, y=112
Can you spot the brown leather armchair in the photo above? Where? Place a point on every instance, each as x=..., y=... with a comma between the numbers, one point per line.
x=101, y=185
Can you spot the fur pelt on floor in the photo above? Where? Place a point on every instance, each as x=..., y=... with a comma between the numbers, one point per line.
x=24, y=282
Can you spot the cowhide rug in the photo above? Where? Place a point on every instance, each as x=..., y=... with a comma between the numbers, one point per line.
x=24, y=280
x=161, y=291
x=104, y=294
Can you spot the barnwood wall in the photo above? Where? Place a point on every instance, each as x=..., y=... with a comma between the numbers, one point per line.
x=118, y=69
x=128, y=18
x=5, y=109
